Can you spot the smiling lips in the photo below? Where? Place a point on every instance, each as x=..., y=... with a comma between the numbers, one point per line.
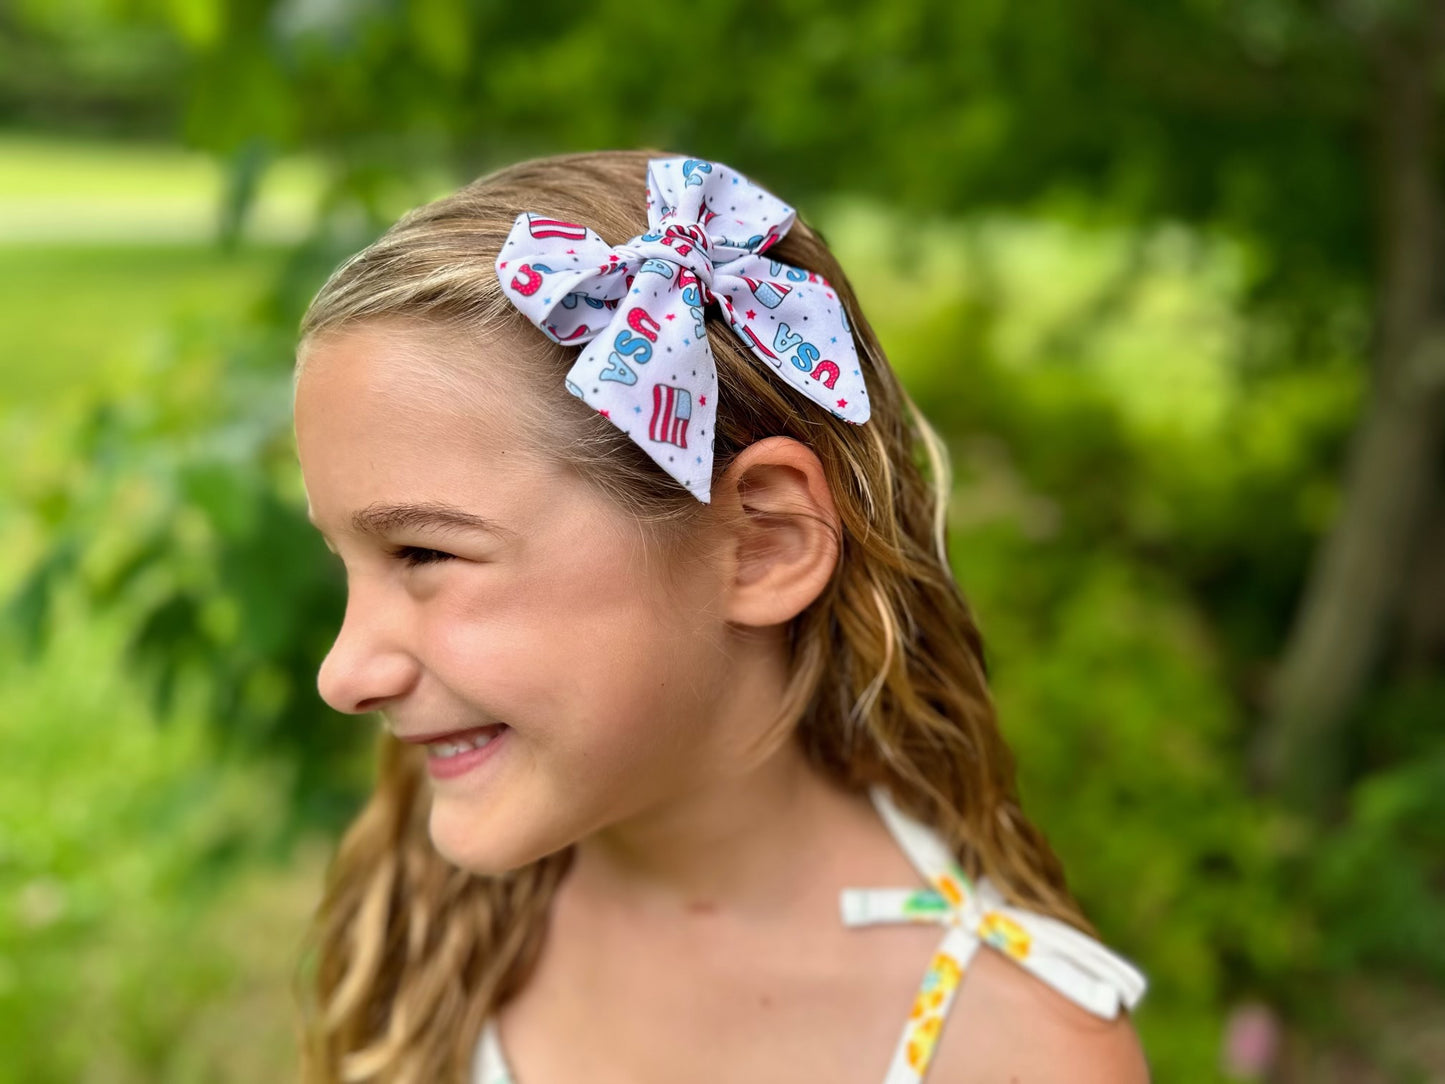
x=453, y=752
x=443, y=737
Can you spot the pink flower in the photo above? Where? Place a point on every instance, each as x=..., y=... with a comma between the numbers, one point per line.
x=1251, y=1042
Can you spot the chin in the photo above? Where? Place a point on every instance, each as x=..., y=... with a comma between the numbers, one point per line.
x=485, y=844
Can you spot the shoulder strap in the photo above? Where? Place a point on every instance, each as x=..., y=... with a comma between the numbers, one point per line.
x=928, y=853
x=1068, y=960
x=1073, y=963
x=490, y=1066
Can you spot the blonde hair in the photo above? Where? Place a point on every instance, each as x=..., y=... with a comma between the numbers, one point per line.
x=888, y=683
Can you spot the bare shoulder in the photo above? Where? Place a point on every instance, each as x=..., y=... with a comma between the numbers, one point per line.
x=1007, y=1025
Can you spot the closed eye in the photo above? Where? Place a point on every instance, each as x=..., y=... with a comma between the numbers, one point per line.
x=414, y=556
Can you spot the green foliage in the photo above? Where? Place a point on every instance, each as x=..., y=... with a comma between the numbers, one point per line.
x=1131, y=547
x=1243, y=114
x=1147, y=370
x=1378, y=874
x=152, y=891
x=120, y=843
x=188, y=521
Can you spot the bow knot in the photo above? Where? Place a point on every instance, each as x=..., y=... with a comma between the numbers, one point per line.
x=640, y=308
x=685, y=245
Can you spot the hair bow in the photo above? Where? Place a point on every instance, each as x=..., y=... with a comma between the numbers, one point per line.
x=639, y=307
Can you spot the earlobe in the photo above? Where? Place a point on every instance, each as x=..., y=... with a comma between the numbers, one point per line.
x=784, y=533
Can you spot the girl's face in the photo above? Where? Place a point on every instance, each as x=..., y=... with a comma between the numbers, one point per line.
x=562, y=675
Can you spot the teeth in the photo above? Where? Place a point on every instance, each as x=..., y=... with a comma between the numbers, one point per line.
x=453, y=747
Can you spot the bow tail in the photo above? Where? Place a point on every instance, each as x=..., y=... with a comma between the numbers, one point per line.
x=794, y=320
x=650, y=372
x=1075, y=965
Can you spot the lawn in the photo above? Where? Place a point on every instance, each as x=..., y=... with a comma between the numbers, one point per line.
x=80, y=317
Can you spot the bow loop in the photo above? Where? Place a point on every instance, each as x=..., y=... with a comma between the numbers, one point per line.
x=1072, y=963
x=741, y=218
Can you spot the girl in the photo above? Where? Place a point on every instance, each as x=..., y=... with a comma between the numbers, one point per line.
x=651, y=592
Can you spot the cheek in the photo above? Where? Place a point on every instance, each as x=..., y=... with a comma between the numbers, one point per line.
x=579, y=653
x=611, y=684
x=641, y=681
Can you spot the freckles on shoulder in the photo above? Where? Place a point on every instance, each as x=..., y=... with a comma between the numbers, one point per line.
x=1007, y=1027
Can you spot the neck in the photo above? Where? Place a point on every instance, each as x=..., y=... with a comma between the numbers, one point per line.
x=750, y=842
x=758, y=831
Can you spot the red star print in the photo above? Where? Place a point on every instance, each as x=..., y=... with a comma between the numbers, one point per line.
x=672, y=316
x=571, y=252
x=502, y=264
x=702, y=400
x=828, y=296
x=752, y=315
x=605, y=413
x=612, y=258
x=842, y=402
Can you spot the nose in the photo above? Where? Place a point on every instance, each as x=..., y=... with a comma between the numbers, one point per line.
x=369, y=665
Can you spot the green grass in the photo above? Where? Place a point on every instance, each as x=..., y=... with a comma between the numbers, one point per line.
x=57, y=169
x=33, y=166
x=85, y=324
x=104, y=251
x=63, y=190
x=103, y=247
x=77, y=317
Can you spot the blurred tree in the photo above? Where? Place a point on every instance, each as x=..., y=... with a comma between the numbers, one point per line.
x=1303, y=127
x=66, y=66
x=1357, y=587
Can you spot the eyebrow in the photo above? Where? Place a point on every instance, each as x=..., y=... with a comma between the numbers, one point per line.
x=382, y=519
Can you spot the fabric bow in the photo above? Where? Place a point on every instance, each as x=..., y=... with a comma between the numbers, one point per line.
x=639, y=308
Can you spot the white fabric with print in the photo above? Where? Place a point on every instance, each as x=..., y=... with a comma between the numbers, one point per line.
x=640, y=307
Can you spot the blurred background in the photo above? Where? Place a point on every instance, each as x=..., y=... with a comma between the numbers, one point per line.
x=1167, y=276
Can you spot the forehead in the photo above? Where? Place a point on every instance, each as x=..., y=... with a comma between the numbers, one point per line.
x=388, y=414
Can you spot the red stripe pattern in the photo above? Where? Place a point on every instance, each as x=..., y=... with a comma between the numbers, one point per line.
x=671, y=411
x=551, y=227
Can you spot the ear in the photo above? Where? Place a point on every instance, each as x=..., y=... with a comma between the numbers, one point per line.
x=783, y=531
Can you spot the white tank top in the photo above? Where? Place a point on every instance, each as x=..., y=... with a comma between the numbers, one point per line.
x=971, y=914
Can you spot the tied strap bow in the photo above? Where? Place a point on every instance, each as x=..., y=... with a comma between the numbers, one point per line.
x=1072, y=963
x=638, y=310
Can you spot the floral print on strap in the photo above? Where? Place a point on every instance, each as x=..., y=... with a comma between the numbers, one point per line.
x=973, y=914
x=930, y=1009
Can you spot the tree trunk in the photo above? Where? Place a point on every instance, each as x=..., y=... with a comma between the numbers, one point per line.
x=1359, y=577
x=1423, y=634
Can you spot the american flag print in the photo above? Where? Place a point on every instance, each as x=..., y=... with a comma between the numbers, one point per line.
x=770, y=294
x=551, y=227
x=671, y=411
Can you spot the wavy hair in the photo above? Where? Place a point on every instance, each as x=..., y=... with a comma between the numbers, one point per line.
x=410, y=955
